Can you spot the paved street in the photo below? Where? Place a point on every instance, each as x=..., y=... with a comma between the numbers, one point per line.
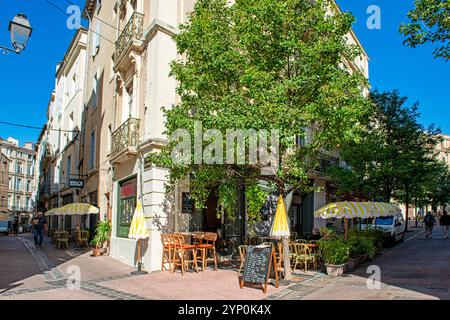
x=415, y=269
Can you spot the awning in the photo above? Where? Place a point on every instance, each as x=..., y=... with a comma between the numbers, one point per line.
x=74, y=209
x=351, y=210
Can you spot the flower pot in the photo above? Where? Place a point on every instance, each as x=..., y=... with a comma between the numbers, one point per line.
x=96, y=252
x=335, y=270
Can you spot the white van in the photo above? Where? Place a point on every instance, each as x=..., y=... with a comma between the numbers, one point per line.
x=393, y=226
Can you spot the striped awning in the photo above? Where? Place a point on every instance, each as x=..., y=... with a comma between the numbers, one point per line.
x=74, y=209
x=352, y=210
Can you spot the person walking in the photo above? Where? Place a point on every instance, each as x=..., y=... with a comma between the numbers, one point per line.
x=445, y=223
x=15, y=227
x=39, y=228
x=430, y=222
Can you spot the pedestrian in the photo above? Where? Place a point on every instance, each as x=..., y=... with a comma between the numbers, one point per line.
x=445, y=223
x=430, y=222
x=15, y=227
x=39, y=228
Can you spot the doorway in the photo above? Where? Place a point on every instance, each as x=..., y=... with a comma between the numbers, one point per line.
x=211, y=222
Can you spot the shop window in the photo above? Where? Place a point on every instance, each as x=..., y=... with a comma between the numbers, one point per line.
x=126, y=206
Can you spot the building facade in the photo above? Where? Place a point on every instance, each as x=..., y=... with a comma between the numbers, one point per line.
x=20, y=178
x=4, y=183
x=129, y=66
x=58, y=148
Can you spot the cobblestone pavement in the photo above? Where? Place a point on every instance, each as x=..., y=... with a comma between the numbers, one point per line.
x=415, y=269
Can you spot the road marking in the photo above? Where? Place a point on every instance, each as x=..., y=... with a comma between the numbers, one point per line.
x=415, y=236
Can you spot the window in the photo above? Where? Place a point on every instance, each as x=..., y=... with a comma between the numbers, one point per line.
x=68, y=168
x=96, y=38
x=98, y=5
x=95, y=91
x=126, y=206
x=29, y=170
x=92, y=150
x=18, y=184
x=28, y=185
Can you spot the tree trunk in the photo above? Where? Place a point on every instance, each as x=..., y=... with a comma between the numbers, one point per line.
x=407, y=209
x=286, y=259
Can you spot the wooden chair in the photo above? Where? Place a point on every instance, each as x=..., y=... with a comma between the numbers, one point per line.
x=293, y=236
x=183, y=252
x=209, y=246
x=301, y=241
x=198, y=237
x=84, y=239
x=243, y=254
x=303, y=255
x=63, y=238
x=168, y=251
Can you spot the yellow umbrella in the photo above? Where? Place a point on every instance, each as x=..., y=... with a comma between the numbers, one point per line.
x=138, y=228
x=79, y=209
x=139, y=231
x=280, y=226
x=350, y=210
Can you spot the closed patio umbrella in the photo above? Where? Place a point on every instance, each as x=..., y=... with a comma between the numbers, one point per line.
x=139, y=232
x=280, y=228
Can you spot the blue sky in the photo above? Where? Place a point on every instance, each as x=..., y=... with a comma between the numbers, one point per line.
x=28, y=79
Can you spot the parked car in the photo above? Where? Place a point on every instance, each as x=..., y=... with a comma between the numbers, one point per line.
x=26, y=227
x=5, y=227
x=393, y=226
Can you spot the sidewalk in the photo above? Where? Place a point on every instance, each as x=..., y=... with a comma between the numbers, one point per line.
x=106, y=278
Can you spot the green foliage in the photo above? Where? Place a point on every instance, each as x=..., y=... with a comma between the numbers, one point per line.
x=263, y=65
x=256, y=197
x=361, y=243
x=102, y=233
x=394, y=156
x=327, y=233
x=335, y=251
x=376, y=236
x=429, y=23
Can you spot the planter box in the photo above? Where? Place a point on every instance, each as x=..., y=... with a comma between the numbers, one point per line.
x=363, y=259
x=335, y=270
x=352, y=264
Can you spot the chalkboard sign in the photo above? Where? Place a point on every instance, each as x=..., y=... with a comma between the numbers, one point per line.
x=258, y=264
x=187, y=205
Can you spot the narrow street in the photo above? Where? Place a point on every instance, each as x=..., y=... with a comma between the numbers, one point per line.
x=418, y=268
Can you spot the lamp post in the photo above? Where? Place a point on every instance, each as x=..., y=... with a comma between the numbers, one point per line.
x=20, y=31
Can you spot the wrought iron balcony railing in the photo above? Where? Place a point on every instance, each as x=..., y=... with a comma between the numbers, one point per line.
x=125, y=137
x=134, y=30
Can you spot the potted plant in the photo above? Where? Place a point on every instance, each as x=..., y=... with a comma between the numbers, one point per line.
x=335, y=253
x=102, y=233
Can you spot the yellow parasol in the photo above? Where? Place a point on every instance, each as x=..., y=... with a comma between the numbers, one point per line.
x=350, y=210
x=280, y=228
x=139, y=231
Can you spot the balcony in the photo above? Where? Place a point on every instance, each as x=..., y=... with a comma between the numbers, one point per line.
x=130, y=39
x=125, y=141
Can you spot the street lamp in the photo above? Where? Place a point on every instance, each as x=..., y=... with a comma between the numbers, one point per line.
x=20, y=31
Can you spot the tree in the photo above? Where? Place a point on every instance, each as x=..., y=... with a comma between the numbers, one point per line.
x=429, y=23
x=395, y=156
x=262, y=65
